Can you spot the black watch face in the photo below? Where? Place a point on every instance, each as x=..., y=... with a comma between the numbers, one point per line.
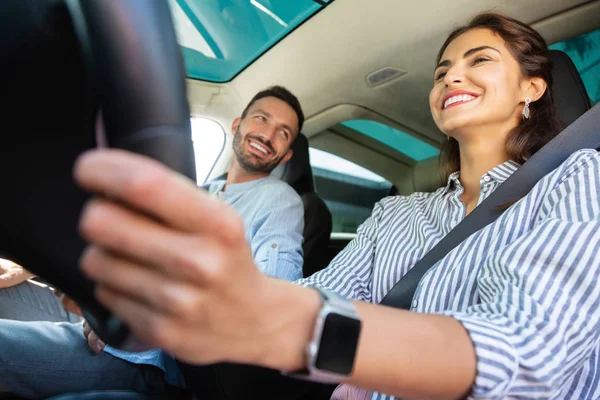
x=338, y=344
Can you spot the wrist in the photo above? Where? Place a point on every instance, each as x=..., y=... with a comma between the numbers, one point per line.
x=291, y=314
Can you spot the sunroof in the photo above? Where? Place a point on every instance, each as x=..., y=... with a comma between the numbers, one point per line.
x=398, y=140
x=584, y=50
x=222, y=37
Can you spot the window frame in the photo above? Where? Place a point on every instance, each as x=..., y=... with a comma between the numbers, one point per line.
x=368, y=196
x=218, y=156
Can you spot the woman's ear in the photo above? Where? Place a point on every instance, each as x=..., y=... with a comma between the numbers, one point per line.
x=535, y=88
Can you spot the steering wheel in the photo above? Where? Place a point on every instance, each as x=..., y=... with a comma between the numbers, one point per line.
x=70, y=67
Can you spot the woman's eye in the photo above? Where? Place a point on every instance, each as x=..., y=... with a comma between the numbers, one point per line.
x=479, y=60
x=440, y=76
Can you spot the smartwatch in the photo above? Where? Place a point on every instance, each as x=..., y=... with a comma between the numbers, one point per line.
x=331, y=353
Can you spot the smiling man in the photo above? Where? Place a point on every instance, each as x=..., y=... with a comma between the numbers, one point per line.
x=272, y=211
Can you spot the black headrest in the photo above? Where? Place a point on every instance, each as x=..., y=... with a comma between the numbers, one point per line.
x=567, y=88
x=297, y=171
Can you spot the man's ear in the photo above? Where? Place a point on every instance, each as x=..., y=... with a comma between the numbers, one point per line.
x=287, y=157
x=235, y=125
x=535, y=88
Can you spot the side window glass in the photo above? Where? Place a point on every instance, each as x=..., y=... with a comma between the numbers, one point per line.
x=584, y=50
x=400, y=141
x=209, y=141
x=349, y=190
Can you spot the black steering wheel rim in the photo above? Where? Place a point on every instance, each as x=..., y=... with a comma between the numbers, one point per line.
x=118, y=56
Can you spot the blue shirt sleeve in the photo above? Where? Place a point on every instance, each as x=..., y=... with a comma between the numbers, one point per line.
x=277, y=235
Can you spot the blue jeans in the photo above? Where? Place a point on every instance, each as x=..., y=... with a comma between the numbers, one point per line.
x=42, y=359
x=33, y=301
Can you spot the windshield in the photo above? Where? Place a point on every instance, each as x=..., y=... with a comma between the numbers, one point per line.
x=222, y=37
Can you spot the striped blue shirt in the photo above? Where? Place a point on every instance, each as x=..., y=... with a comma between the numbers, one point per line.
x=273, y=216
x=526, y=287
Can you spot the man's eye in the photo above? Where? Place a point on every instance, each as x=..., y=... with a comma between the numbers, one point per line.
x=261, y=118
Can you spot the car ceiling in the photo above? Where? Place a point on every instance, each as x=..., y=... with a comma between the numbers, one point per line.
x=326, y=61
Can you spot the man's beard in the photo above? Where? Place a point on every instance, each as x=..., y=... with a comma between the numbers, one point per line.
x=250, y=163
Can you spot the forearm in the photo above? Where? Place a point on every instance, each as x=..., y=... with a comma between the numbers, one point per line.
x=400, y=353
x=413, y=355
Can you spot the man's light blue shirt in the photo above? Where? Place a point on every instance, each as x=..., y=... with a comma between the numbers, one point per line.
x=273, y=216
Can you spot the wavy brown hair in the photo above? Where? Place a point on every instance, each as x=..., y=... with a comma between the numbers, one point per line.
x=531, y=52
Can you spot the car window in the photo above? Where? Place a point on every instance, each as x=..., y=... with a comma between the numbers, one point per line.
x=584, y=50
x=400, y=141
x=220, y=38
x=349, y=190
x=209, y=141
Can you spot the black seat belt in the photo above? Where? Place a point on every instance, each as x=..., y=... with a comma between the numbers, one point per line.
x=583, y=133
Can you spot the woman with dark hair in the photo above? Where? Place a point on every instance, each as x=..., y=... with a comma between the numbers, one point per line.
x=512, y=312
x=540, y=121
